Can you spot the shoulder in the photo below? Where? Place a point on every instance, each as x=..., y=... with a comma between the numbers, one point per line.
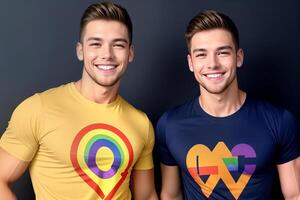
x=36, y=103
x=55, y=93
x=276, y=117
x=31, y=105
x=132, y=112
x=183, y=111
x=268, y=110
x=264, y=105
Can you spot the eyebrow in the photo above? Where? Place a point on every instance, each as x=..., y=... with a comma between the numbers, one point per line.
x=114, y=40
x=199, y=50
x=227, y=47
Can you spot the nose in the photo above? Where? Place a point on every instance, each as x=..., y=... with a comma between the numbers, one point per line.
x=213, y=62
x=106, y=52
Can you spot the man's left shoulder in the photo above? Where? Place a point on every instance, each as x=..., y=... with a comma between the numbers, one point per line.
x=274, y=115
x=132, y=111
x=269, y=108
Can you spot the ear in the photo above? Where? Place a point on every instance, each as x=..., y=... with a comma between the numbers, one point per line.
x=190, y=63
x=79, y=51
x=131, y=53
x=240, y=57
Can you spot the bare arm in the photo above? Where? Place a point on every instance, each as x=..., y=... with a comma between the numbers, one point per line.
x=289, y=175
x=171, y=189
x=10, y=170
x=142, y=185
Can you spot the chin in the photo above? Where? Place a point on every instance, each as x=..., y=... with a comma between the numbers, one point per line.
x=110, y=83
x=219, y=90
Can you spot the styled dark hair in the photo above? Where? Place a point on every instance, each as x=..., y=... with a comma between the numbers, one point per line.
x=209, y=20
x=106, y=11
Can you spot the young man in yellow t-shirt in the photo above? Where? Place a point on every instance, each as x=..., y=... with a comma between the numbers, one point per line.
x=82, y=140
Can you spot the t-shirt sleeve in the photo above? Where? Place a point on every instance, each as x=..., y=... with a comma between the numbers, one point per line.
x=145, y=160
x=20, y=139
x=161, y=143
x=289, y=139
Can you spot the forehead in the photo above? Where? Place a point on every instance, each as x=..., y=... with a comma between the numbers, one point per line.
x=105, y=29
x=210, y=39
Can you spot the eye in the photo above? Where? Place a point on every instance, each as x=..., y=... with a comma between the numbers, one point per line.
x=95, y=44
x=223, y=53
x=200, y=55
x=119, y=45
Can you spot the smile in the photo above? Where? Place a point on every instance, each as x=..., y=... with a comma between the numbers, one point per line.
x=214, y=75
x=106, y=67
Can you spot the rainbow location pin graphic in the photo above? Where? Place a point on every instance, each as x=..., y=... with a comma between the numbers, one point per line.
x=102, y=155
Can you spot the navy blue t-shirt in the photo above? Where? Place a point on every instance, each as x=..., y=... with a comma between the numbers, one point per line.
x=231, y=157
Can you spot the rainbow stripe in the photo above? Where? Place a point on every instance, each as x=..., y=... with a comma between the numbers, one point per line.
x=232, y=164
x=84, y=149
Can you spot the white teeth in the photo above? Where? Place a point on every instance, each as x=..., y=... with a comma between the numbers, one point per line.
x=105, y=67
x=214, y=75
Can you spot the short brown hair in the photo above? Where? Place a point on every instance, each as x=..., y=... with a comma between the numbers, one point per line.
x=106, y=11
x=209, y=20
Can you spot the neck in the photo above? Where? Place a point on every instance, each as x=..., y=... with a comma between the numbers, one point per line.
x=222, y=105
x=97, y=93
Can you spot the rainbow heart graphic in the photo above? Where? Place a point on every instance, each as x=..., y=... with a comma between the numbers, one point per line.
x=218, y=164
x=102, y=155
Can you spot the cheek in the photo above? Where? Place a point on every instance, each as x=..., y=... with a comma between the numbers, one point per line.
x=230, y=61
x=230, y=64
x=198, y=66
x=88, y=58
x=89, y=54
x=122, y=56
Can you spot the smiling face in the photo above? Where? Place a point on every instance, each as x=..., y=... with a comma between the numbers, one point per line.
x=105, y=51
x=213, y=59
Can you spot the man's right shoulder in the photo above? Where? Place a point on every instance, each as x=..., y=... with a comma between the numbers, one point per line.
x=37, y=100
x=55, y=91
x=182, y=111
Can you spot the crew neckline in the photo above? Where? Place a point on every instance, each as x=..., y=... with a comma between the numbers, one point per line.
x=200, y=110
x=86, y=101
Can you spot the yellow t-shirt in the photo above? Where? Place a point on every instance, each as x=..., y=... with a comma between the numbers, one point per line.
x=79, y=149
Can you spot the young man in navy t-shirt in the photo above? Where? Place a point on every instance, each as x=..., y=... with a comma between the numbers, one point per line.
x=225, y=144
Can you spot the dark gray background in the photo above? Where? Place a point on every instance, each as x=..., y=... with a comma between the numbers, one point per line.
x=38, y=41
